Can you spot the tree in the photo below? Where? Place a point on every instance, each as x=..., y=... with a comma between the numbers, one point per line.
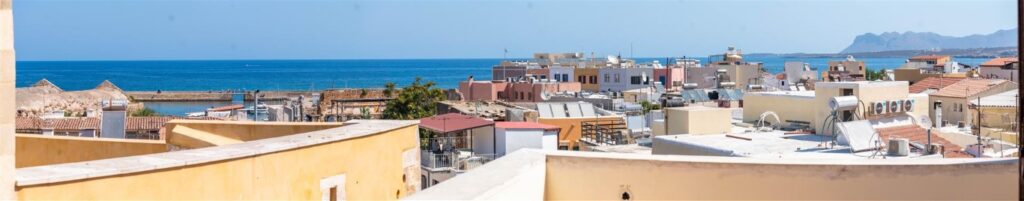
x=872, y=75
x=414, y=101
x=145, y=112
x=389, y=89
x=648, y=106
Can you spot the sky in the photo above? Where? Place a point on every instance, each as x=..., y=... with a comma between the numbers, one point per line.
x=322, y=29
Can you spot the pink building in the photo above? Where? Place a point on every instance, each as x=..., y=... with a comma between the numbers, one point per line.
x=523, y=91
x=672, y=78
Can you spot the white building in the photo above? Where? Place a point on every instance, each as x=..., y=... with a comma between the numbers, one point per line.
x=512, y=136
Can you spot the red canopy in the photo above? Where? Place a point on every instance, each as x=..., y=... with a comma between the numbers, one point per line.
x=452, y=122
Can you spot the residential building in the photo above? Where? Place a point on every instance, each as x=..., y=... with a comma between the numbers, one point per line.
x=811, y=108
x=930, y=85
x=949, y=105
x=920, y=67
x=1001, y=68
x=453, y=143
x=615, y=79
x=588, y=79
x=999, y=115
x=70, y=126
x=577, y=120
x=671, y=77
x=344, y=104
x=527, y=89
x=796, y=76
x=846, y=70
x=739, y=73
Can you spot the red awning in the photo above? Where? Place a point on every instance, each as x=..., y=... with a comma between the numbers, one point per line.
x=452, y=122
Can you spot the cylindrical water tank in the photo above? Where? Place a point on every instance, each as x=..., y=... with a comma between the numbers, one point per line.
x=843, y=102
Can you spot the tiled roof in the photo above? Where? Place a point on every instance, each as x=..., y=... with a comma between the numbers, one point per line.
x=968, y=87
x=917, y=134
x=71, y=123
x=524, y=125
x=999, y=62
x=80, y=123
x=452, y=122
x=933, y=83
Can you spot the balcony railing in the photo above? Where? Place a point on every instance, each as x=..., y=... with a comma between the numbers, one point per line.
x=459, y=160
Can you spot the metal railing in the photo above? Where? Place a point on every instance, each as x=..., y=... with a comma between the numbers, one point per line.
x=444, y=144
x=455, y=160
x=605, y=132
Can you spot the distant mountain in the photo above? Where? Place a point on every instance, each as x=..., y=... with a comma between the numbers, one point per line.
x=988, y=52
x=892, y=41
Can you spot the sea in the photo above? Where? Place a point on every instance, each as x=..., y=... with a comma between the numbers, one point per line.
x=305, y=75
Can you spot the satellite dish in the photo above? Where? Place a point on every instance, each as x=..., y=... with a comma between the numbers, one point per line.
x=924, y=121
x=545, y=96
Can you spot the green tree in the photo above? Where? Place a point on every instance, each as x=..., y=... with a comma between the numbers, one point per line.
x=414, y=101
x=389, y=89
x=648, y=106
x=145, y=112
x=872, y=75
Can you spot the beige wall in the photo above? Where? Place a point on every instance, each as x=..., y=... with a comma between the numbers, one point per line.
x=372, y=165
x=600, y=178
x=198, y=134
x=697, y=120
x=968, y=116
x=786, y=107
x=866, y=92
x=6, y=101
x=36, y=150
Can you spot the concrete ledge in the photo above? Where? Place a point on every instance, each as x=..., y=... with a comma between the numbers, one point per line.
x=517, y=176
x=117, y=166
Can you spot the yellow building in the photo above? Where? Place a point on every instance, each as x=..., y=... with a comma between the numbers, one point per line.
x=587, y=77
x=218, y=160
x=953, y=100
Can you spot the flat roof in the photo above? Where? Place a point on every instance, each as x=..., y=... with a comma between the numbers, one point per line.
x=800, y=94
x=523, y=125
x=758, y=144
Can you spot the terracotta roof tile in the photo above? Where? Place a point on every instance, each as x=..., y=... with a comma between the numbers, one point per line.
x=917, y=134
x=71, y=123
x=933, y=83
x=999, y=62
x=968, y=87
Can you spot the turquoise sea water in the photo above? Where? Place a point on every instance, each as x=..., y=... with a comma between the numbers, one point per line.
x=304, y=74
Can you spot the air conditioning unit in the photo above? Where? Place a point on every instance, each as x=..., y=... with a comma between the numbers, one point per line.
x=894, y=106
x=879, y=107
x=908, y=105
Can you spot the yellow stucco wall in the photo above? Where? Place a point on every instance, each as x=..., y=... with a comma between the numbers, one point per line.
x=36, y=150
x=198, y=134
x=373, y=166
x=697, y=120
x=588, y=72
x=590, y=178
x=6, y=100
x=788, y=108
x=570, y=127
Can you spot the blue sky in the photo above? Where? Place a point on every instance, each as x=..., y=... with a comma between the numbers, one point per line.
x=308, y=29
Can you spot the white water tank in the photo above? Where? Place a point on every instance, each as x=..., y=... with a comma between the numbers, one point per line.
x=899, y=147
x=842, y=103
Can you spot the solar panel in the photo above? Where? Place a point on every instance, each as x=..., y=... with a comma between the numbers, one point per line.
x=544, y=109
x=575, y=111
x=558, y=110
x=858, y=134
x=588, y=110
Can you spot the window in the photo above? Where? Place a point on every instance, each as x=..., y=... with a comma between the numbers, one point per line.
x=607, y=77
x=662, y=79
x=593, y=79
x=617, y=78
x=581, y=79
x=565, y=77
x=847, y=92
x=635, y=80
